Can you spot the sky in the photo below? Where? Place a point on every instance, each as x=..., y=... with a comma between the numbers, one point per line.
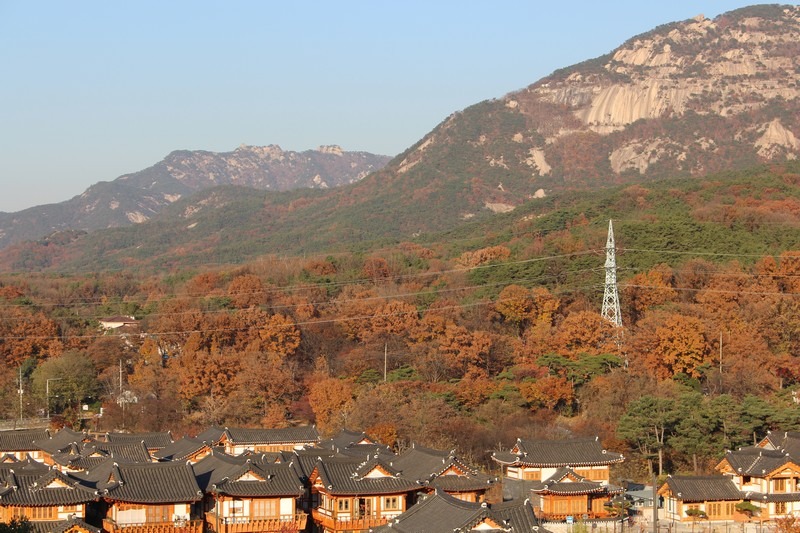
x=91, y=90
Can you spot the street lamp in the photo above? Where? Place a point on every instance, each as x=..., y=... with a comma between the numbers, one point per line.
x=47, y=394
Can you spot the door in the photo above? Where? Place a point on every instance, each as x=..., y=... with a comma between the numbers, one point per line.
x=364, y=507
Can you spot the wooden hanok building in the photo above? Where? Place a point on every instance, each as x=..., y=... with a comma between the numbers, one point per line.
x=439, y=512
x=444, y=471
x=153, y=441
x=565, y=477
x=713, y=496
x=250, y=494
x=241, y=440
x=21, y=443
x=767, y=477
x=50, y=500
x=355, y=495
x=147, y=497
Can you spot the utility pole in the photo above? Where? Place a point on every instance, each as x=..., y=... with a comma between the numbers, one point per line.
x=655, y=505
x=20, y=393
x=611, y=310
x=47, y=393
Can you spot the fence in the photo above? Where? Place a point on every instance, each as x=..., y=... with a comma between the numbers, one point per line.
x=24, y=423
x=664, y=526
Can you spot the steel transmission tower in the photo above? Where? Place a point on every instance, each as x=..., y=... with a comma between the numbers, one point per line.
x=611, y=310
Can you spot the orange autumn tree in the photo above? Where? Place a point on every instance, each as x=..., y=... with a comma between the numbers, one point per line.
x=394, y=317
x=670, y=344
x=462, y=348
x=25, y=334
x=331, y=399
x=279, y=335
x=246, y=290
x=205, y=373
x=515, y=304
x=548, y=392
x=648, y=290
x=262, y=389
x=584, y=332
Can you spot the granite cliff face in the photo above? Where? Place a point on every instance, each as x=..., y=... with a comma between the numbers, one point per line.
x=687, y=98
x=724, y=67
x=136, y=198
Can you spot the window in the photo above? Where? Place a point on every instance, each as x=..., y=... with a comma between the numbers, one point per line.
x=714, y=509
x=43, y=513
x=158, y=513
x=745, y=479
x=34, y=513
x=730, y=508
x=391, y=503
x=594, y=474
x=780, y=507
x=264, y=509
x=344, y=505
x=779, y=484
x=532, y=475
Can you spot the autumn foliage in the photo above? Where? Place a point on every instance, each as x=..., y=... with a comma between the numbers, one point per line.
x=417, y=346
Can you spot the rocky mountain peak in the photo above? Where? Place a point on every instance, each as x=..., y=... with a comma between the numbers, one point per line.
x=708, y=66
x=135, y=198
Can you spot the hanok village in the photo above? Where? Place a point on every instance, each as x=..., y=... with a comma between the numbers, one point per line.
x=228, y=480
x=288, y=480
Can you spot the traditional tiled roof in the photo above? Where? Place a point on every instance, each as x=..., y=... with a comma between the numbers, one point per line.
x=63, y=526
x=565, y=481
x=152, y=441
x=211, y=435
x=240, y=476
x=452, y=483
x=24, y=466
x=577, y=487
x=166, y=482
x=440, y=469
x=755, y=461
x=181, y=449
x=553, y=453
x=304, y=461
x=360, y=451
x=701, y=488
x=343, y=476
x=42, y=489
x=519, y=515
x=440, y=512
x=249, y=436
x=61, y=440
x=774, y=497
x=21, y=440
x=93, y=453
x=344, y=439
x=786, y=441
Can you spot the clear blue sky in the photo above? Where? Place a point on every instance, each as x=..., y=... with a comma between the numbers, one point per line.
x=92, y=90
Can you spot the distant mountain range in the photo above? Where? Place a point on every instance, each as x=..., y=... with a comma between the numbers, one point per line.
x=686, y=99
x=136, y=198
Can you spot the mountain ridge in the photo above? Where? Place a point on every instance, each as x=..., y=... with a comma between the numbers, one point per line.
x=136, y=197
x=686, y=99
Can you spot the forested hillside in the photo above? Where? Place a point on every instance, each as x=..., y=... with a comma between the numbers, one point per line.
x=468, y=340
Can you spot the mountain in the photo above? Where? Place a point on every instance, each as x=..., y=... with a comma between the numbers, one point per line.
x=136, y=198
x=684, y=100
